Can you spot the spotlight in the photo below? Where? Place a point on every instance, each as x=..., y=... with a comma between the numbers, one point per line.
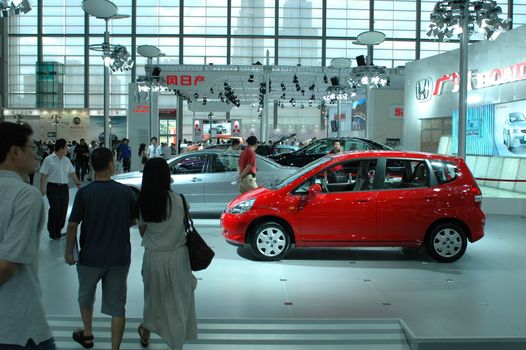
x=204, y=101
x=211, y=90
x=303, y=92
x=283, y=88
x=251, y=78
x=196, y=95
x=298, y=88
x=295, y=79
x=263, y=88
x=360, y=60
x=325, y=80
x=311, y=88
x=283, y=96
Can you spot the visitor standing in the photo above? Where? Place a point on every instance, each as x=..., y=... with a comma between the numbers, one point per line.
x=124, y=152
x=247, y=166
x=23, y=322
x=154, y=150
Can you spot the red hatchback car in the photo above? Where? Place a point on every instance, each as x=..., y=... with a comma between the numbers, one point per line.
x=362, y=199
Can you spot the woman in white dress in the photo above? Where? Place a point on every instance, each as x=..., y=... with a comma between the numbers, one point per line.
x=169, y=305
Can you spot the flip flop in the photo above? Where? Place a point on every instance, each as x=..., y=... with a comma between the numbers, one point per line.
x=85, y=340
x=144, y=340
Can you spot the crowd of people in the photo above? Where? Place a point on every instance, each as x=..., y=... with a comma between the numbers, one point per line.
x=103, y=210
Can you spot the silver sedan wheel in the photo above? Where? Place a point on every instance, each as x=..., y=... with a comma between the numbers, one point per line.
x=447, y=242
x=270, y=241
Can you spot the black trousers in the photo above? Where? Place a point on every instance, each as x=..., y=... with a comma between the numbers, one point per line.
x=126, y=164
x=58, y=196
x=81, y=169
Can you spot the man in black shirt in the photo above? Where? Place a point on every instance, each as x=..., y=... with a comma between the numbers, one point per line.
x=105, y=209
x=81, y=159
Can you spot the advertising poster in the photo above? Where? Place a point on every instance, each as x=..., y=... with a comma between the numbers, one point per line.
x=68, y=124
x=118, y=128
x=236, y=127
x=218, y=127
x=510, y=129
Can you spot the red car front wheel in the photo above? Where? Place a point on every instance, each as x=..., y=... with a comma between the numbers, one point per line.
x=269, y=241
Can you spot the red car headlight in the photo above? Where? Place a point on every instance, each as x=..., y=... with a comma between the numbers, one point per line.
x=241, y=207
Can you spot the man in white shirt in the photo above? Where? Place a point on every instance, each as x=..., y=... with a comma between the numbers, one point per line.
x=55, y=171
x=23, y=322
x=154, y=150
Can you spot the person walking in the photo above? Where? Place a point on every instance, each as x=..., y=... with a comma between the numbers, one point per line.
x=23, y=322
x=81, y=159
x=54, y=181
x=154, y=150
x=169, y=303
x=247, y=166
x=124, y=155
x=92, y=146
x=142, y=154
x=105, y=209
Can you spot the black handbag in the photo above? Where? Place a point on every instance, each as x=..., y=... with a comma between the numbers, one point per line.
x=200, y=253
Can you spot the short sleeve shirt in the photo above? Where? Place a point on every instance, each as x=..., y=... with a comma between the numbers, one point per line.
x=57, y=169
x=105, y=210
x=22, y=216
x=248, y=156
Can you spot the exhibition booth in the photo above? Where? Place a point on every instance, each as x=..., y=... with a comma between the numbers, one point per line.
x=496, y=124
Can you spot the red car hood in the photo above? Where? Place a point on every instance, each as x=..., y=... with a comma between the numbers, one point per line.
x=248, y=195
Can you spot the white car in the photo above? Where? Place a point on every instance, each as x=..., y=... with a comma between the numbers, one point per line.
x=207, y=178
x=514, y=131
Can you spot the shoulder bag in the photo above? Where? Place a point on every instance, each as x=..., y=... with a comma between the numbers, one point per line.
x=200, y=253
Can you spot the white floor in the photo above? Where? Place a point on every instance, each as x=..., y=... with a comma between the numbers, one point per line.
x=481, y=295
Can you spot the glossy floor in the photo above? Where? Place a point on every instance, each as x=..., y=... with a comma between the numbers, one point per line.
x=481, y=295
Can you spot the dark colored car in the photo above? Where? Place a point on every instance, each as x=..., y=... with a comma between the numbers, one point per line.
x=270, y=149
x=321, y=147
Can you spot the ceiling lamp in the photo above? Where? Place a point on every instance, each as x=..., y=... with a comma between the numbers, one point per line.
x=14, y=7
x=119, y=59
x=482, y=16
x=371, y=76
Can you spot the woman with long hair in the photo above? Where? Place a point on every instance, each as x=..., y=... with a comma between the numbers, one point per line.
x=169, y=304
x=142, y=153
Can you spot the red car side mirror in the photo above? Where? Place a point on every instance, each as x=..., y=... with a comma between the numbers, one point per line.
x=314, y=189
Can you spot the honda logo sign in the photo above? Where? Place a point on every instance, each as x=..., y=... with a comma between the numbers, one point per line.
x=423, y=89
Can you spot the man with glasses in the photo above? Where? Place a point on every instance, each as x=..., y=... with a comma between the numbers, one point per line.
x=23, y=322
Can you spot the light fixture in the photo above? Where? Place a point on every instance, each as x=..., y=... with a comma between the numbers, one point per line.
x=295, y=79
x=369, y=75
x=283, y=88
x=482, y=16
x=111, y=54
x=251, y=78
x=118, y=59
x=460, y=17
x=325, y=79
x=12, y=8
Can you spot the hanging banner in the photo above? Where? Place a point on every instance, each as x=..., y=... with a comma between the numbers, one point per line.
x=198, y=131
x=236, y=127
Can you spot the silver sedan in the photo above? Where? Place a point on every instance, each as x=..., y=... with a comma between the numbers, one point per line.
x=207, y=177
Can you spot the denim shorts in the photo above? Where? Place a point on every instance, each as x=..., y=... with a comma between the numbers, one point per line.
x=114, y=288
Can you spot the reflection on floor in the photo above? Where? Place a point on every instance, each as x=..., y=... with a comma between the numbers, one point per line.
x=480, y=296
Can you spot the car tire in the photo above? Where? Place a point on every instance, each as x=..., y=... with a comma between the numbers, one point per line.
x=269, y=241
x=510, y=147
x=446, y=242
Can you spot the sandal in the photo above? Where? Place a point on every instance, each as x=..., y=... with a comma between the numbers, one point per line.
x=85, y=340
x=142, y=332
